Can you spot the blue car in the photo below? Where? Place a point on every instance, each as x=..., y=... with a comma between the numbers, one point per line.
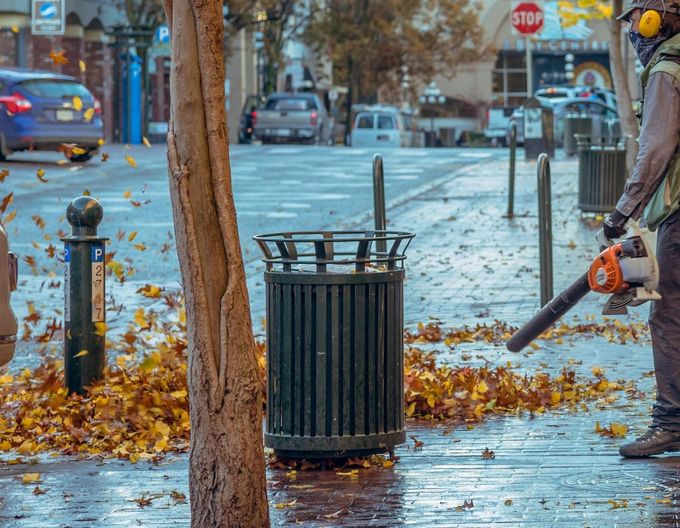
x=41, y=110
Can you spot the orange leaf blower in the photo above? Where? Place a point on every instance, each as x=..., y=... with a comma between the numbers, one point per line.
x=627, y=271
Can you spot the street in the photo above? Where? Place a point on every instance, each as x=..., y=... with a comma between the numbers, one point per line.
x=276, y=188
x=468, y=265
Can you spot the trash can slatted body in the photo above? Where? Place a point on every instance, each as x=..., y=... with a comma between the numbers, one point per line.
x=335, y=369
x=602, y=175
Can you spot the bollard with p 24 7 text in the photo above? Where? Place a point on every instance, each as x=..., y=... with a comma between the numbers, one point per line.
x=84, y=289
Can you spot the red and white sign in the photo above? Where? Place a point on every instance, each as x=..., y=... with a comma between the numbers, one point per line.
x=526, y=18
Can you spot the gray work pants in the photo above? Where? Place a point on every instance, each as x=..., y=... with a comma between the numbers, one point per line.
x=664, y=322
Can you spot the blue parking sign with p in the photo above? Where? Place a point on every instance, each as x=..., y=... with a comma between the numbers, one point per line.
x=97, y=253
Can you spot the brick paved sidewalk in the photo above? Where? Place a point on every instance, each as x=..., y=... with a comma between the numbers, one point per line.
x=468, y=264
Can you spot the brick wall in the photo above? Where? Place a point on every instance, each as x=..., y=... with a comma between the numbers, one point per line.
x=39, y=48
x=8, y=42
x=99, y=79
x=74, y=48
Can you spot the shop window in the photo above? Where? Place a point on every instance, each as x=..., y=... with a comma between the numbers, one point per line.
x=509, y=79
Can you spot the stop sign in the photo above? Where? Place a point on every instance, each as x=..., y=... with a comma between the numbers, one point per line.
x=526, y=18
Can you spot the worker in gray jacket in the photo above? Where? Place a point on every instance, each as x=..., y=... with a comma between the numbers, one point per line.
x=653, y=194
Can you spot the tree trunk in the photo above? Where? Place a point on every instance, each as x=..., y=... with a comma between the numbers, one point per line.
x=226, y=464
x=629, y=125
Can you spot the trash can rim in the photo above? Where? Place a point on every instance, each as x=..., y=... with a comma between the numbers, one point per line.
x=290, y=248
x=309, y=236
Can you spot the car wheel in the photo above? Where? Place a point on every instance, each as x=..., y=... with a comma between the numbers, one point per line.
x=79, y=158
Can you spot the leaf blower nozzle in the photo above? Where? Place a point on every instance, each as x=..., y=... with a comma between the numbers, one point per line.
x=550, y=313
x=627, y=271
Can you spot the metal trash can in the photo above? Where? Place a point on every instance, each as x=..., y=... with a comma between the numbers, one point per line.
x=431, y=139
x=611, y=130
x=448, y=137
x=335, y=368
x=576, y=124
x=602, y=173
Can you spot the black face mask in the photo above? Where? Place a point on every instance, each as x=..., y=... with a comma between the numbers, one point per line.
x=645, y=47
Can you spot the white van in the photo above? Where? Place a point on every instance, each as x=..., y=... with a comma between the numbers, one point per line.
x=379, y=128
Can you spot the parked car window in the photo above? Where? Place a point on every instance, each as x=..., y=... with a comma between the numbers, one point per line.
x=54, y=88
x=291, y=104
x=365, y=121
x=385, y=122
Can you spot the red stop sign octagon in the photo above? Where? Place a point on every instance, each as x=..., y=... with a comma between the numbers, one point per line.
x=527, y=18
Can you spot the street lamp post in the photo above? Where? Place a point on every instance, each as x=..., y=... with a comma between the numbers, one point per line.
x=569, y=67
x=432, y=96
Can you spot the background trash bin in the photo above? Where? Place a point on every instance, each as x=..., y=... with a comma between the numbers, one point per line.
x=335, y=372
x=431, y=139
x=576, y=124
x=602, y=173
x=448, y=137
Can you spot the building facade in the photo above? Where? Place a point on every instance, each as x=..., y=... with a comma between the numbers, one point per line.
x=84, y=39
x=501, y=80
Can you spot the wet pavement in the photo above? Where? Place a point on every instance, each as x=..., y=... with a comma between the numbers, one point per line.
x=467, y=265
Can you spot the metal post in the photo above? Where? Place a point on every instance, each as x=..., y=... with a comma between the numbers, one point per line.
x=529, y=65
x=84, y=288
x=545, y=229
x=379, y=200
x=511, y=175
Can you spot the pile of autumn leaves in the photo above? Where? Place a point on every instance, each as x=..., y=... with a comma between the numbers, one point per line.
x=140, y=410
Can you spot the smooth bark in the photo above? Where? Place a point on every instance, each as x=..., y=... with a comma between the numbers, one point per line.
x=226, y=473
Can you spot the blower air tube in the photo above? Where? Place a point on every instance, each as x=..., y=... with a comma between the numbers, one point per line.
x=550, y=313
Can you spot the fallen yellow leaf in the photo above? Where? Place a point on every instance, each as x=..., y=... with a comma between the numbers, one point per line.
x=77, y=103
x=30, y=478
x=131, y=161
x=81, y=353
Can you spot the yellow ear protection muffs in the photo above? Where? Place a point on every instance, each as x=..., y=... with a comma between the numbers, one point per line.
x=650, y=22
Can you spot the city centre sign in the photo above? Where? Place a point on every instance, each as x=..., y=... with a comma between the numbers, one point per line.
x=558, y=45
x=526, y=18
x=48, y=17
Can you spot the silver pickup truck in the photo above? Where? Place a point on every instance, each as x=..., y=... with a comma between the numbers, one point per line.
x=293, y=117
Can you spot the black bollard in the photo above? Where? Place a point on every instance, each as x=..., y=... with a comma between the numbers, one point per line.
x=511, y=174
x=545, y=239
x=84, y=289
x=379, y=201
